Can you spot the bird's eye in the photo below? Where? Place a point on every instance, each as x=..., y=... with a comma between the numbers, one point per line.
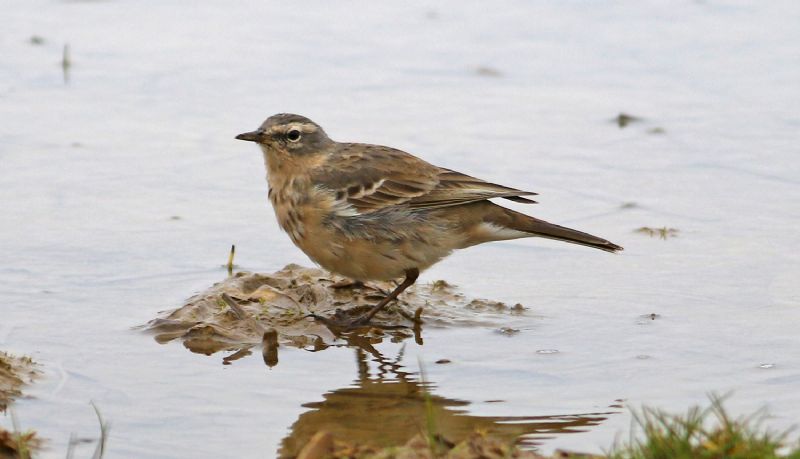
x=293, y=135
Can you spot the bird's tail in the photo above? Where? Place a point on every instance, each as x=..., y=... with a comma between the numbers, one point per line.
x=541, y=228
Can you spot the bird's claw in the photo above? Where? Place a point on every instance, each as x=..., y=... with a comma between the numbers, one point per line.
x=340, y=322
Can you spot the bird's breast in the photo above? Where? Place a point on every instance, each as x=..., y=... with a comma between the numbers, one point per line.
x=289, y=199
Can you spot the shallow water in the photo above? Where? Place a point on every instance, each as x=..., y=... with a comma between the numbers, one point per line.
x=122, y=190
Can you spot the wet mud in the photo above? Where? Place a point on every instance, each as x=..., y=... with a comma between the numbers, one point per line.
x=15, y=372
x=478, y=445
x=272, y=310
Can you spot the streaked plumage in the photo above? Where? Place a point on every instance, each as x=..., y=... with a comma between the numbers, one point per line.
x=370, y=212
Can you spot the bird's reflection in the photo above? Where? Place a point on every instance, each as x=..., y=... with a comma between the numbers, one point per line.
x=386, y=405
x=270, y=343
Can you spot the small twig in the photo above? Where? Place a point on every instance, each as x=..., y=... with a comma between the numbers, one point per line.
x=241, y=314
x=230, y=259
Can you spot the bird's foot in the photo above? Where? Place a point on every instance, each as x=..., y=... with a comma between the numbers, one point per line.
x=342, y=321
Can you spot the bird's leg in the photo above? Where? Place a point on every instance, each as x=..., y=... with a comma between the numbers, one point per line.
x=339, y=322
x=411, y=277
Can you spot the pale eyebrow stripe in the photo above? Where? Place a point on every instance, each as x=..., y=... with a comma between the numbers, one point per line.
x=308, y=128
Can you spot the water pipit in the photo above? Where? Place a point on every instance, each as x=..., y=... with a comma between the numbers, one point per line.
x=369, y=212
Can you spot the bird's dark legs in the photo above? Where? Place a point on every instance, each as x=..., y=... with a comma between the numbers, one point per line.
x=411, y=277
x=340, y=322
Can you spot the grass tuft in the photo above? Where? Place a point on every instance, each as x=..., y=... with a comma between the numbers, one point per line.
x=104, y=428
x=702, y=433
x=18, y=444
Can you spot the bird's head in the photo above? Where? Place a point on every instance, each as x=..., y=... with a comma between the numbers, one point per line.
x=288, y=135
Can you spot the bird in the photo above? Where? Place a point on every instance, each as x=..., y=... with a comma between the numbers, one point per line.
x=375, y=213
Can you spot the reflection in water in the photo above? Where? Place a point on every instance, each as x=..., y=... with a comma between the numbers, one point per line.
x=387, y=406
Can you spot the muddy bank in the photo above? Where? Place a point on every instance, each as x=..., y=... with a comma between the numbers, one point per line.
x=476, y=446
x=251, y=309
x=15, y=372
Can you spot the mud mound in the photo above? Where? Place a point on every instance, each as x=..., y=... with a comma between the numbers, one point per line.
x=248, y=309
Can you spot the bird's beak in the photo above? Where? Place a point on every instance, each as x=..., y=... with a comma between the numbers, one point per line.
x=255, y=136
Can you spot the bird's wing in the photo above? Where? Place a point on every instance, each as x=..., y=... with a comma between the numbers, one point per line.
x=457, y=188
x=371, y=178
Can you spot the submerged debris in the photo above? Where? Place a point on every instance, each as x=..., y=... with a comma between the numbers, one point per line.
x=508, y=331
x=646, y=319
x=663, y=233
x=624, y=119
x=66, y=63
x=486, y=71
x=251, y=309
x=547, y=351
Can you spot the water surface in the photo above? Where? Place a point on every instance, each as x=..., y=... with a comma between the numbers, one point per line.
x=122, y=190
